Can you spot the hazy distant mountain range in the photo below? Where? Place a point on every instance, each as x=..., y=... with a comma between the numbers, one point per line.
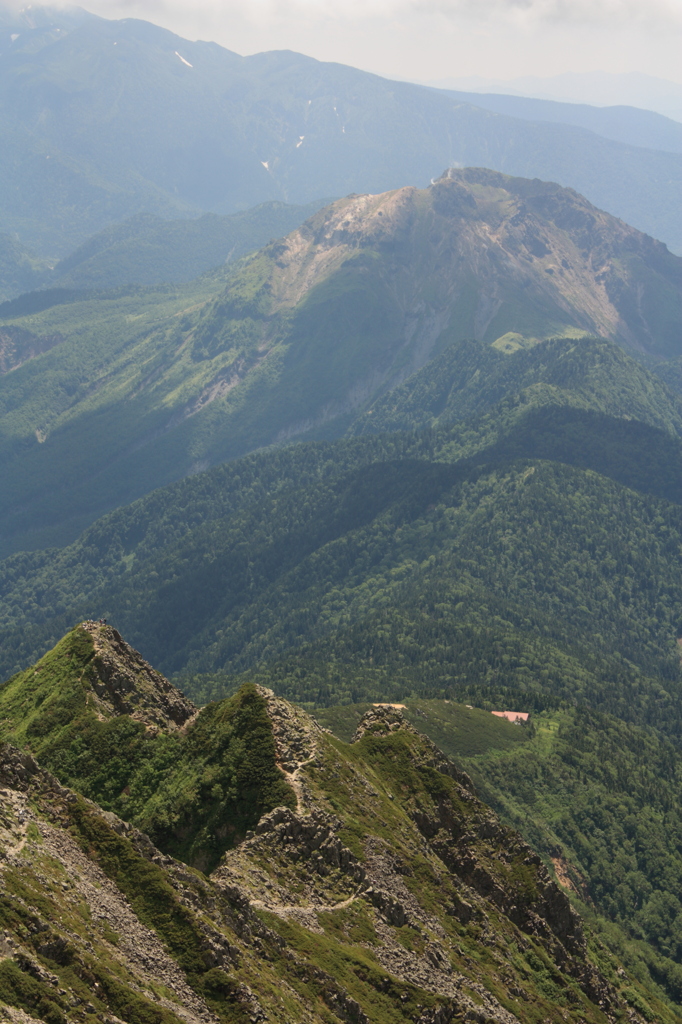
x=629, y=125
x=102, y=120
x=601, y=88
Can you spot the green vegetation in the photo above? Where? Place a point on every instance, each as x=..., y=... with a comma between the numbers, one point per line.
x=147, y=250
x=398, y=766
x=19, y=268
x=503, y=531
x=307, y=337
x=604, y=798
x=457, y=729
x=403, y=556
x=144, y=250
x=391, y=799
x=600, y=800
x=195, y=794
x=90, y=974
x=467, y=379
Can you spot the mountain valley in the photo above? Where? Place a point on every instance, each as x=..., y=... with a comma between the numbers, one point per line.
x=340, y=542
x=146, y=250
x=516, y=544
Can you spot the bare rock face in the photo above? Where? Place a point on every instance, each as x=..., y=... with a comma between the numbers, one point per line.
x=123, y=683
x=17, y=346
x=512, y=236
x=382, y=720
x=295, y=732
x=72, y=976
x=474, y=846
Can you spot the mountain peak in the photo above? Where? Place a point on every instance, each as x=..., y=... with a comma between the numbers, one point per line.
x=475, y=255
x=123, y=683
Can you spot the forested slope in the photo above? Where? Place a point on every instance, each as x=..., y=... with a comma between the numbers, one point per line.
x=536, y=548
x=527, y=557
x=378, y=888
x=148, y=250
x=468, y=378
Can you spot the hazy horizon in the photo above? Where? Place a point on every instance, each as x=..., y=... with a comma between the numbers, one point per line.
x=498, y=40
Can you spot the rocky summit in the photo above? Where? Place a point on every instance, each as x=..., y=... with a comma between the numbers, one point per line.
x=122, y=683
x=372, y=886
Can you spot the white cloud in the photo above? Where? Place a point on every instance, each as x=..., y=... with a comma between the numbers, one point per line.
x=663, y=12
x=617, y=12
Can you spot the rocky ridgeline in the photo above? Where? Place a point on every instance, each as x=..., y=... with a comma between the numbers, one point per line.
x=316, y=873
x=295, y=732
x=384, y=719
x=123, y=683
x=391, y=893
x=296, y=740
x=472, y=849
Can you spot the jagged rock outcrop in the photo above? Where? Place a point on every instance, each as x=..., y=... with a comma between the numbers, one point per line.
x=383, y=719
x=123, y=683
x=475, y=846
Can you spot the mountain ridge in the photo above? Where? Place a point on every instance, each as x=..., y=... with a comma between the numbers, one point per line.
x=157, y=150
x=306, y=506
x=146, y=250
x=370, y=894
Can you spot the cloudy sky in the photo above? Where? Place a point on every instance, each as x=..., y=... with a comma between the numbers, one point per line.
x=431, y=39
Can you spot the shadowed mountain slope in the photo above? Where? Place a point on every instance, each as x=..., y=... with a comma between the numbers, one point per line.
x=555, y=508
x=19, y=268
x=146, y=250
x=149, y=250
x=105, y=722
x=468, y=378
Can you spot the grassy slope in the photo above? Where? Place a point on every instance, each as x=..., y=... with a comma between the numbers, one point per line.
x=599, y=799
x=459, y=730
x=72, y=396
x=147, y=250
x=195, y=794
x=384, y=796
